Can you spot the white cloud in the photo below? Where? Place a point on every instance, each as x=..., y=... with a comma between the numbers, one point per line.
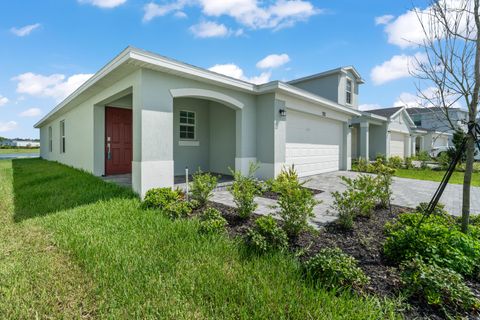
x=107, y=4
x=56, y=86
x=273, y=61
x=8, y=126
x=406, y=30
x=276, y=15
x=3, y=100
x=383, y=19
x=234, y=71
x=180, y=15
x=32, y=112
x=395, y=68
x=26, y=30
x=369, y=106
x=428, y=97
x=209, y=29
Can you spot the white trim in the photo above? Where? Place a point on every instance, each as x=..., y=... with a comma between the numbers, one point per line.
x=189, y=143
x=194, y=125
x=209, y=94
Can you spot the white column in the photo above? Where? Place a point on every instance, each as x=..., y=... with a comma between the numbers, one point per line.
x=347, y=147
x=408, y=146
x=414, y=146
x=364, y=139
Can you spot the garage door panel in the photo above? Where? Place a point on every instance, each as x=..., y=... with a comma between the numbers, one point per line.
x=313, y=143
x=397, y=144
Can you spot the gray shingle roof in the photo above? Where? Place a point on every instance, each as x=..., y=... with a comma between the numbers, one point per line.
x=386, y=112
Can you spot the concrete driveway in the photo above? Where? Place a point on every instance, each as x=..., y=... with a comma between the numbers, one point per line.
x=406, y=192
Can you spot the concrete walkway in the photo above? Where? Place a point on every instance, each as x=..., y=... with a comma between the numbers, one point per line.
x=406, y=192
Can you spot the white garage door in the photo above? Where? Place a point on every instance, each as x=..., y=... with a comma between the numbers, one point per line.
x=440, y=141
x=397, y=144
x=313, y=143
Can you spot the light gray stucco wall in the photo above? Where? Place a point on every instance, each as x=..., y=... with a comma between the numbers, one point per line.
x=193, y=157
x=222, y=138
x=327, y=87
x=377, y=140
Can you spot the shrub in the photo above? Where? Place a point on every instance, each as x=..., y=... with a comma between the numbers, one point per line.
x=359, y=199
x=178, y=209
x=395, y=162
x=266, y=235
x=286, y=180
x=362, y=165
x=335, y=269
x=160, y=198
x=380, y=157
x=408, y=162
x=437, y=286
x=444, y=160
x=244, y=189
x=212, y=222
x=383, y=184
x=202, y=187
x=295, y=202
x=437, y=240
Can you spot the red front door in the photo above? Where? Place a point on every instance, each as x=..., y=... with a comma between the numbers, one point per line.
x=118, y=140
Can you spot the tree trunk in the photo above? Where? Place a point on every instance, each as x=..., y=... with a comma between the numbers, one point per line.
x=467, y=180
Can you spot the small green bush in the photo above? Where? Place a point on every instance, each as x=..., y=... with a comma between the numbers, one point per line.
x=178, y=209
x=437, y=286
x=212, y=222
x=443, y=160
x=408, y=163
x=295, y=202
x=286, y=180
x=395, y=162
x=383, y=184
x=362, y=165
x=202, y=187
x=423, y=156
x=437, y=240
x=266, y=236
x=380, y=157
x=335, y=269
x=159, y=198
x=244, y=189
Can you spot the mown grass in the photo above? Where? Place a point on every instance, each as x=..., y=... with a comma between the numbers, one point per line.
x=143, y=265
x=13, y=151
x=436, y=175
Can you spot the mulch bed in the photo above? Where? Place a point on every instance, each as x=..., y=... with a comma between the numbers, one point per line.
x=274, y=196
x=364, y=242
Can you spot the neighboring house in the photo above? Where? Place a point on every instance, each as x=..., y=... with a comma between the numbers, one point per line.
x=21, y=143
x=392, y=132
x=151, y=116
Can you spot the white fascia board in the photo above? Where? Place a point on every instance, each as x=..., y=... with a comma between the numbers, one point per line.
x=277, y=86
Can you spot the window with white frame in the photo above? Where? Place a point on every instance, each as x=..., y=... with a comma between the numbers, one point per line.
x=187, y=125
x=62, y=136
x=50, y=139
x=349, y=91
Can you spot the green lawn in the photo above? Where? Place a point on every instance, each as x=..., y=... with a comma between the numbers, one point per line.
x=75, y=246
x=12, y=151
x=428, y=174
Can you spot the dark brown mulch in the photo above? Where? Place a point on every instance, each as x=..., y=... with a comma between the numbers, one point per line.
x=274, y=195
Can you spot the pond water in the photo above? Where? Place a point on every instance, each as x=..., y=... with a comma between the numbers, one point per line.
x=18, y=155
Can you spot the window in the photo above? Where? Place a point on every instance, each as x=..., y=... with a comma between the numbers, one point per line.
x=62, y=136
x=417, y=120
x=187, y=125
x=349, y=91
x=50, y=140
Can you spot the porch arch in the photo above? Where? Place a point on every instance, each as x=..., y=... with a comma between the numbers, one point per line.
x=207, y=95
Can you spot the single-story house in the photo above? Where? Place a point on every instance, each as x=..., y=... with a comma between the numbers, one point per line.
x=150, y=116
x=392, y=132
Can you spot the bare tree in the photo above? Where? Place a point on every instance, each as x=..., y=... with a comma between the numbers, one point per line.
x=450, y=67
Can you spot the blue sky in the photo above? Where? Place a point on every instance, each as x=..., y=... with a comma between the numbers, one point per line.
x=50, y=47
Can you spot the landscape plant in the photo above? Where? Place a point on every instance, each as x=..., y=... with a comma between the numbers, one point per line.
x=333, y=268
x=160, y=198
x=202, y=186
x=395, y=162
x=437, y=286
x=244, y=189
x=266, y=236
x=212, y=222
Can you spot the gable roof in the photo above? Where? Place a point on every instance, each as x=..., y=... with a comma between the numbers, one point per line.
x=132, y=58
x=386, y=112
x=330, y=72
